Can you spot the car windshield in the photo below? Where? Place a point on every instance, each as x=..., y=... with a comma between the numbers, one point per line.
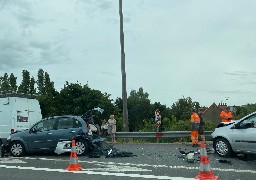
x=249, y=122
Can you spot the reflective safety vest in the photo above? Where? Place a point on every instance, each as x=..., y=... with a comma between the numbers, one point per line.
x=226, y=116
x=195, y=118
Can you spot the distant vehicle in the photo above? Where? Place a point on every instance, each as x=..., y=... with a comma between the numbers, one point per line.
x=17, y=113
x=47, y=133
x=236, y=137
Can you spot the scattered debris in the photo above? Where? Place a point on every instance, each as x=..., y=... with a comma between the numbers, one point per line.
x=224, y=161
x=102, y=148
x=188, y=156
x=113, y=152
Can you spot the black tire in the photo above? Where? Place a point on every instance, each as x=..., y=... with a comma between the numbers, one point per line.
x=17, y=149
x=222, y=147
x=81, y=147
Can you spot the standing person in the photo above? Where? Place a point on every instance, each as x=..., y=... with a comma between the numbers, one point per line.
x=104, y=127
x=195, y=120
x=112, y=128
x=201, y=125
x=226, y=115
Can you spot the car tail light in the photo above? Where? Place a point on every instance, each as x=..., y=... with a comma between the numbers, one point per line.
x=12, y=131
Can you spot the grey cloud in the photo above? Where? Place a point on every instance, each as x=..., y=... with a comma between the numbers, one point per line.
x=40, y=45
x=22, y=4
x=23, y=12
x=248, y=83
x=108, y=73
x=236, y=73
x=239, y=73
x=17, y=54
x=27, y=19
x=231, y=92
x=102, y=4
x=127, y=19
x=94, y=7
x=105, y=5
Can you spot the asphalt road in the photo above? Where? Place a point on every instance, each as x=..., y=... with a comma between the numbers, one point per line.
x=152, y=161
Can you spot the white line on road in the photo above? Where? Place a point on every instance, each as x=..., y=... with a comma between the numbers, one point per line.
x=150, y=165
x=11, y=161
x=98, y=173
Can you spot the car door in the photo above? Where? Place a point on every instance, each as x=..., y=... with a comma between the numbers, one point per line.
x=68, y=128
x=41, y=135
x=243, y=136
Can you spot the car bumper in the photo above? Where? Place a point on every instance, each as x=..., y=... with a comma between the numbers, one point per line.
x=65, y=146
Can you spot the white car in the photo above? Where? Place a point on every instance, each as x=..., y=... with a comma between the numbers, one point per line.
x=235, y=137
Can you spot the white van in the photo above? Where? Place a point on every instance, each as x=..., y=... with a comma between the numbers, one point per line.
x=17, y=112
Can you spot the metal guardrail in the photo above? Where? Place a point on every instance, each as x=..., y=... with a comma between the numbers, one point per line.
x=165, y=134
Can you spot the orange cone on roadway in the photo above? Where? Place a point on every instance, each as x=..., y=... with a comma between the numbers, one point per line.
x=73, y=165
x=205, y=172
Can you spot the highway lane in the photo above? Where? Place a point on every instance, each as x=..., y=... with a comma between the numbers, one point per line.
x=152, y=161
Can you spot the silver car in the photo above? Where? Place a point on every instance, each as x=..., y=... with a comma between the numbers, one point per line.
x=236, y=137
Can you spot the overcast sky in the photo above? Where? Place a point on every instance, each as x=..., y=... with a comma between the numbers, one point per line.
x=200, y=49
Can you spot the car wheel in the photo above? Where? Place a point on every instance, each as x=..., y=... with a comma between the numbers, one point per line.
x=222, y=147
x=81, y=147
x=17, y=149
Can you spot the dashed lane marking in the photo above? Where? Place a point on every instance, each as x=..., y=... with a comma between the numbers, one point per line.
x=97, y=173
x=150, y=165
x=11, y=161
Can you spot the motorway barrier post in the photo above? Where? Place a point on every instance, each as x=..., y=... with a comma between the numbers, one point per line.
x=205, y=172
x=73, y=165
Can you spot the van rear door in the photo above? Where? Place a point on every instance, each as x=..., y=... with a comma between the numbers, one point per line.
x=22, y=121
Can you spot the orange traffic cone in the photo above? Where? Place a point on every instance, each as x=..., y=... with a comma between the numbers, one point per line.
x=73, y=165
x=205, y=172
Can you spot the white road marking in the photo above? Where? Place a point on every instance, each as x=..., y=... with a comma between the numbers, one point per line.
x=149, y=165
x=98, y=173
x=11, y=160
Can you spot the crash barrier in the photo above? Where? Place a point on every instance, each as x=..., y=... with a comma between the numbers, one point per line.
x=166, y=134
x=73, y=165
x=205, y=172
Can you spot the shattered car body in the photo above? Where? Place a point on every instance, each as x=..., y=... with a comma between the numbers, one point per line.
x=54, y=134
x=65, y=146
x=44, y=136
x=236, y=136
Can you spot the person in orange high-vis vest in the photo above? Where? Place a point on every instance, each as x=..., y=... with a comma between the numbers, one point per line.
x=195, y=120
x=226, y=115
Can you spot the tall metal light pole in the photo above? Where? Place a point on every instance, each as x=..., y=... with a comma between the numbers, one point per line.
x=124, y=93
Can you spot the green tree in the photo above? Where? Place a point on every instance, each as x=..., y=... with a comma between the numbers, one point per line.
x=40, y=81
x=76, y=100
x=25, y=83
x=32, y=89
x=245, y=110
x=182, y=108
x=1, y=82
x=48, y=84
x=13, y=83
x=5, y=85
x=139, y=109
